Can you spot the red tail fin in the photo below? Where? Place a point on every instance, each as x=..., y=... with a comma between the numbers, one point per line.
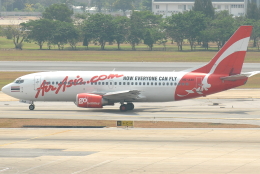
x=230, y=58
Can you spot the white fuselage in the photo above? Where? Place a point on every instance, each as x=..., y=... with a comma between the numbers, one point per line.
x=64, y=86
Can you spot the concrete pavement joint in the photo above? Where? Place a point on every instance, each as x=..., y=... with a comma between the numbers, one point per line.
x=92, y=167
x=34, y=138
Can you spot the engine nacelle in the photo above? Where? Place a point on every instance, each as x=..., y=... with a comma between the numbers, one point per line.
x=85, y=100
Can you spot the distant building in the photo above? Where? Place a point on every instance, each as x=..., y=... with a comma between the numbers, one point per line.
x=167, y=7
x=83, y=1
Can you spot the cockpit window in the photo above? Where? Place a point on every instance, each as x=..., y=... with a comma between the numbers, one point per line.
x=19, y=81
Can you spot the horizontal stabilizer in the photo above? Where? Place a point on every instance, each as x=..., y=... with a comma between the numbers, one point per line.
x=240, y=76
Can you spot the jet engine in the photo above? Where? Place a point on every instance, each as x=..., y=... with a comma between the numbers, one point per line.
x=85, y=100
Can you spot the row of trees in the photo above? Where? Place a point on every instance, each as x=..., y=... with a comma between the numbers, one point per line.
x=198, y=27
x=253, y=11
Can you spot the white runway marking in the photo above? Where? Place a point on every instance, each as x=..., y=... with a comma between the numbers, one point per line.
x=89, y=168
x=4, y=170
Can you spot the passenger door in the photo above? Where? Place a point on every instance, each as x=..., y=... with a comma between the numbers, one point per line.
x=37, y=82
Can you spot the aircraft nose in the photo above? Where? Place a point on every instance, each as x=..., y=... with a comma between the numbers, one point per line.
x=6, y=89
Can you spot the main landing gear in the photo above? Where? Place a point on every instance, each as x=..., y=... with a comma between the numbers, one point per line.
x=126, y=107
x=32, y=107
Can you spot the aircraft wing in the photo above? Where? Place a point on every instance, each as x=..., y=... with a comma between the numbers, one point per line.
x=128, y=95
x=240, y=76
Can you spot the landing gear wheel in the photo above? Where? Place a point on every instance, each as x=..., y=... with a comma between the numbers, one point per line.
x=123, y=108
x=130, y=106
x=31, y=107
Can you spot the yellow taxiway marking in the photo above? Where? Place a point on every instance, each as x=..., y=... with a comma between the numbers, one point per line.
x=34, y=138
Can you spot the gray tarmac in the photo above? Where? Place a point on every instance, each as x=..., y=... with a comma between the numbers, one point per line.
x=107, y=66
x=132, y=150
x=233, y=111
x=135, y=151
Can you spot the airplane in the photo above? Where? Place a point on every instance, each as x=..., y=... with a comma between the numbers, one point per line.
x=95, y=89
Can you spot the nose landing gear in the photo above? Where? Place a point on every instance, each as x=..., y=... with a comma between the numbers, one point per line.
x=126, y=107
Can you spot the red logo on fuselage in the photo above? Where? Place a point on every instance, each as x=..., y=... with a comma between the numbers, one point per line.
x=62, y=86
x=104, y=77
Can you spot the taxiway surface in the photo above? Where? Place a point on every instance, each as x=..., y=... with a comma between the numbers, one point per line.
x=107, y=66
x=135, y=151
x=232, y=106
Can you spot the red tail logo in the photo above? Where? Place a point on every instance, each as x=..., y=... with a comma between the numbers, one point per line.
x=228, y=61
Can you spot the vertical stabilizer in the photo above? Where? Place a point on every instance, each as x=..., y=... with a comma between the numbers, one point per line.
x=230, y=58
x=221, y=73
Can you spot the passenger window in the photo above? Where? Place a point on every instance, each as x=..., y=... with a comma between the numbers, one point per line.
x=103, y=83
x=151, y=83
x=99, y=83
x=143, y=83
x=128, y=83
x=132, y=83
x=53, y=83
x=95, y=83
x=155, y=83
x=115, y=83
x=167, y=84
x=140, y=83
x=136, y=83
x=163, y=83
x=147, y=83
x=107, y=83
x=159, y=83
x=119, y=83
